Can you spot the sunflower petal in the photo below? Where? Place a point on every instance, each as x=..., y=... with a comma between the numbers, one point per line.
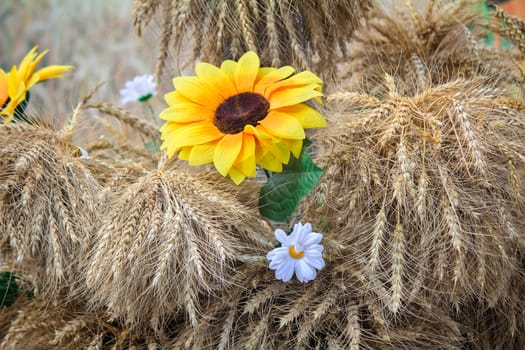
x=272, y=77
x=245, y=162
x=202, y=154
x=229, y=67
x=226, y=152
x=193, y=134
x=269, y=162
x=4, y=94
x=174, y=97
x=197, y=91
x=291, y=96
x=282, y=125
x=186, y=113
x=302, y=78
x=236, y=176
x=184, y=153
x=216, y=78
x=307, y=116
x=297, y=146
x=278, y=148
x=49, y=72
x=246, y=71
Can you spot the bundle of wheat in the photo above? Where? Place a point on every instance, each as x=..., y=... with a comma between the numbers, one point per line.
x=338, y=310
x=167, y=241
x=301, y=33
x=48, y=205
x=423, y=48
x=427, y=190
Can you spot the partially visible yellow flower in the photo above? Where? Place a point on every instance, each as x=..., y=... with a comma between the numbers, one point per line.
x=19, y=80
x=240, y=115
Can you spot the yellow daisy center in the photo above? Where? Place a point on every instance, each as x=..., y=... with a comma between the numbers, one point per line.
x=239, y=110
x=294, y=254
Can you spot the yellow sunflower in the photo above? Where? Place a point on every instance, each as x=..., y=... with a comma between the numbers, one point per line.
x=15, y=84
x=240, y=115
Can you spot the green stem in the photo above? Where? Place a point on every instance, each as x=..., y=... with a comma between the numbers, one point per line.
x=153, y=116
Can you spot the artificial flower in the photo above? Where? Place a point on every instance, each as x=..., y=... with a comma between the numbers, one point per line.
x=240, y=115
x=15, y=84
x=140, y=89
x=299, y=253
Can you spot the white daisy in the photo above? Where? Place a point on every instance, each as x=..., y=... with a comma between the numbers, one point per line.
x=300, y=252
x=140, y=89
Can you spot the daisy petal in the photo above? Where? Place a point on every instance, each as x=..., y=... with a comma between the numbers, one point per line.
x=312, y=238
x=282, y=125
x=226, y=152
x=236, y=175
x=317, y=262
x=304, y=272
x=282, y=237
x=246, y=71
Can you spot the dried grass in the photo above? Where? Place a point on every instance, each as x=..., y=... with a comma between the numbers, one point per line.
x=179, y=237
x=48, y=205
x=423, y=195
x=337, y=309
x=438, y=44
x=305, y=34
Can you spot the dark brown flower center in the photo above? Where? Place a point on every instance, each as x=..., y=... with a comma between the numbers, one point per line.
x=240, y=110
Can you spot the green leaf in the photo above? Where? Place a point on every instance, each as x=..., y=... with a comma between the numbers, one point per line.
x=19, y=113
x=282, y=192
x=9, y=290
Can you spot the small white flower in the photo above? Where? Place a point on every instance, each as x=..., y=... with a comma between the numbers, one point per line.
x=300, y=252
x=140, y=89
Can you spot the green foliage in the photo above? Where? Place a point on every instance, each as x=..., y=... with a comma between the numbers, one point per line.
x=282, y=192
x=9, y=290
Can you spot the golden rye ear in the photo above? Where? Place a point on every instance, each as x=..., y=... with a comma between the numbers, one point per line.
x=166, y=244
x=48, y=205
x=307, y=34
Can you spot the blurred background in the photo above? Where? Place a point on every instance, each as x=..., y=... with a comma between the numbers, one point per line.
x=97, y=37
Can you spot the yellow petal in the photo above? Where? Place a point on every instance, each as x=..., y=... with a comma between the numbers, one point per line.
x=245, y=162
x=226, y=152
x=277, y=148
x=28, y=63
x=297, y=146
x=216, y=78
x=269, y=162
x=302, y=78
x=271, y=78
x=174, y=97
x=202, y=154
x=291, y=96
x=50, y=72
x=246, y=71
x=229, y=67
x=184, y=153
x=193, y=134
x=282, y=125
x=4, y=88
x=307, y=116
x=197, y=91
x=236, y=176
x=186, y=113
